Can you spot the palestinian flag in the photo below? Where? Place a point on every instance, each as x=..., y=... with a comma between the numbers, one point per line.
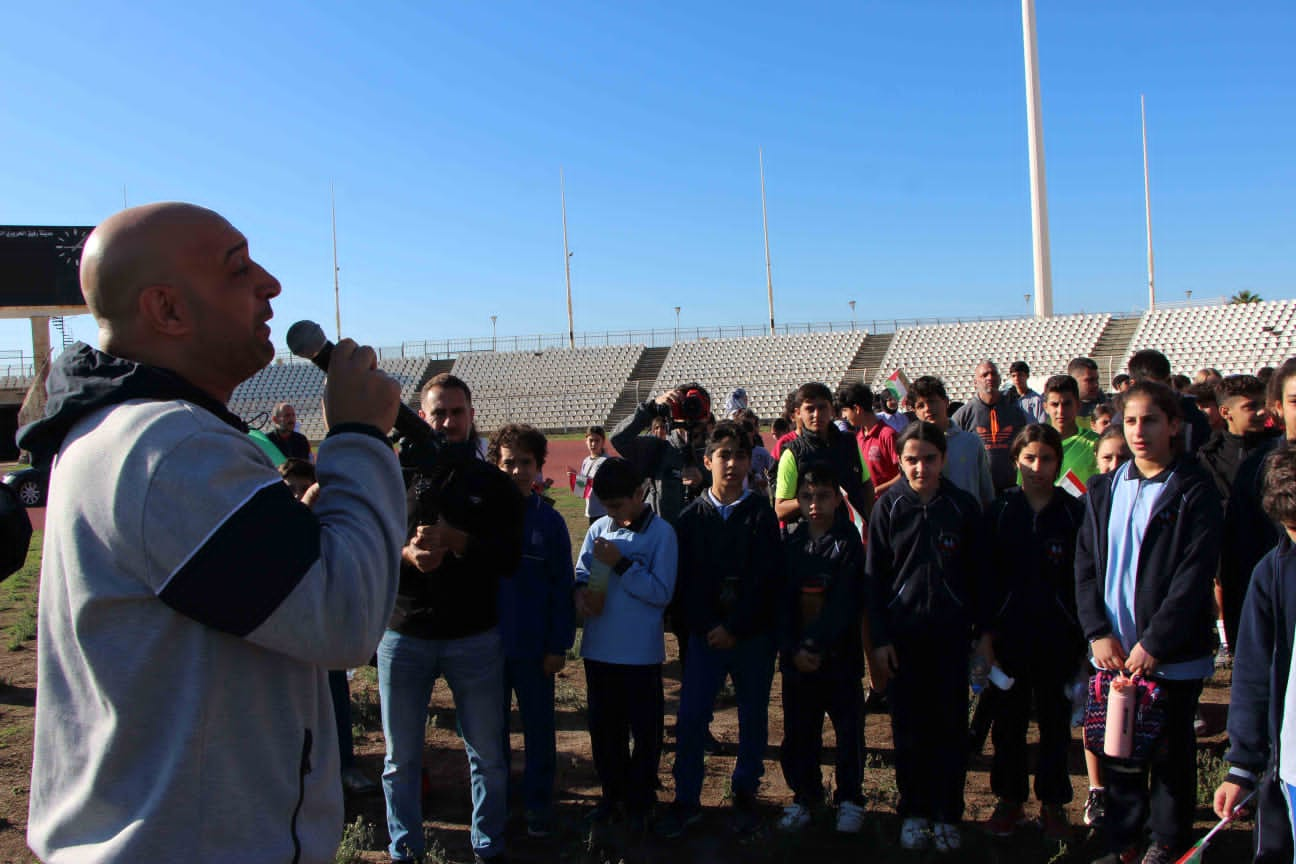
x=1073, y=484
x=580, y=484
x=898, y=384
x=856, y=519
x=1194, y=855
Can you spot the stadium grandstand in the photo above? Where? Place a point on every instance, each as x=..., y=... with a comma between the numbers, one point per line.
x=565, y=389
x=952, y=351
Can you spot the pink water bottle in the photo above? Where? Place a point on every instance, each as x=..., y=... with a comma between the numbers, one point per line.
x=1119, y=740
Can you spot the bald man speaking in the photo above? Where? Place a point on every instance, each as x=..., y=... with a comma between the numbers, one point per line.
x=189, y=606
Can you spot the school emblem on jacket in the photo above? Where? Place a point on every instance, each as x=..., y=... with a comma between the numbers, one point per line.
x=1169, y=516
x=1055, y=551
x=948, y=544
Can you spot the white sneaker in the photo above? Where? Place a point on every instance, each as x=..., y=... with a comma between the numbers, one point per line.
x=946, y=837
x=915, y=834
x=795, y=817
x=850, y=818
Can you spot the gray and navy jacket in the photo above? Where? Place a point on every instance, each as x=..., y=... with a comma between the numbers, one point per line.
x=926, y=566
x=189, y=610
x=1174, y=594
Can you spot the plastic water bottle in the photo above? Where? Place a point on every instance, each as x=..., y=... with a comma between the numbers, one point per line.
x=979, y=674
x=1118, y=741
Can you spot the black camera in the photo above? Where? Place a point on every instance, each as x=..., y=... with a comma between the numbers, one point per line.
x=692, y=406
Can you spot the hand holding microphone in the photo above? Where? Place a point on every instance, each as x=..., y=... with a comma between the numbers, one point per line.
x=356, y=390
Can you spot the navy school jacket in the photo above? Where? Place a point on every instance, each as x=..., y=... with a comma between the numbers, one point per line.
x=1174, y=594
x=536, y=614
x=925, y=571
x=1033, y=568
x=834, y=563
x=1261, y=664
x=730, y=570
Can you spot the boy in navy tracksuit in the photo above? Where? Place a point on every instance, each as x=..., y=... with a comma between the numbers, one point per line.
x=730, y=569
x=537, y=621
x=1262, y=708
x=924, y=589
x=625, y=576
x=1145, y=569
x=821, y=655
x=1037, y=638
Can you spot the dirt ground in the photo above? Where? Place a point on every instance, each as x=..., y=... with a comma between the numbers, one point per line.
x=447, y=807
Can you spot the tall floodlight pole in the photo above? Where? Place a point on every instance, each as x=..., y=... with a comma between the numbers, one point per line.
x=493, y=317
x=769, y=274
x=571, y=326
x=677, y=323
x=1039, y=193
x=337, y=293
x=1147, y=205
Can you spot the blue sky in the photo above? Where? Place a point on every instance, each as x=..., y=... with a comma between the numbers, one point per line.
x=894, y=137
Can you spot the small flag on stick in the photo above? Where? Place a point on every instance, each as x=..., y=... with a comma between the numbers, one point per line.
x=1194, y=855
x=898, y=384
x=856, y=519
x=580, y=484
x=1073, y=484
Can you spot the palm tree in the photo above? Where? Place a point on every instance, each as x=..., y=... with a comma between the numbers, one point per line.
x=1246, y=297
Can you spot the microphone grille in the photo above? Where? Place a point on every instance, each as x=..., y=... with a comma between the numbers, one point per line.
x=306, y=339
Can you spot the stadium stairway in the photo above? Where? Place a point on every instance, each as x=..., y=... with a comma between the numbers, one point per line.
x=1112, y=349
x=436, y=367
x=639, y=386
x=868, y=358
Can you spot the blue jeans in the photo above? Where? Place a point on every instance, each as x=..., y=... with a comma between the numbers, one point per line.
x=407, y=671
x=525, y=676
x=751, y=664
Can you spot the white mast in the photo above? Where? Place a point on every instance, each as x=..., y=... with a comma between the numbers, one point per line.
x=1039, y=193
x=769, y=274
x=571, y=326
x=337, y=293
x=1147, y=204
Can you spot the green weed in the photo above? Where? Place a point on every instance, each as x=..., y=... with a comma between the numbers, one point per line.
x=1211, y=771
x=357, y=838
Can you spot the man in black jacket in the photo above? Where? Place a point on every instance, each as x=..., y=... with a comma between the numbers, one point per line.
x=465, y=534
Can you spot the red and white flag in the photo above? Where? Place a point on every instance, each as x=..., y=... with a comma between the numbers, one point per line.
x=580, y=484
x=1073, y=484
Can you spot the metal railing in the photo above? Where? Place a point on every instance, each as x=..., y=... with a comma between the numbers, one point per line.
x=661, y=337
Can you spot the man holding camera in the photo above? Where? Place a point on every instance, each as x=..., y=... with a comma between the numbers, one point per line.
x=674, y=463
x=464, y=534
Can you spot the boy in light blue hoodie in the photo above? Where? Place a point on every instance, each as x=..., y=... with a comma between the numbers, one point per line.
x=625, y=577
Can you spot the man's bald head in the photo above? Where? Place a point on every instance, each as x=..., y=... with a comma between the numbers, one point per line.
x=133, y=249
x=175, y=286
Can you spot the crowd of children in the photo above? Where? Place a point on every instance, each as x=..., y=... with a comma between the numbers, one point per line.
x=888, y=553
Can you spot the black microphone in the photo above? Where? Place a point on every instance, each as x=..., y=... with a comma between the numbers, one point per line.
x=306, y=339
